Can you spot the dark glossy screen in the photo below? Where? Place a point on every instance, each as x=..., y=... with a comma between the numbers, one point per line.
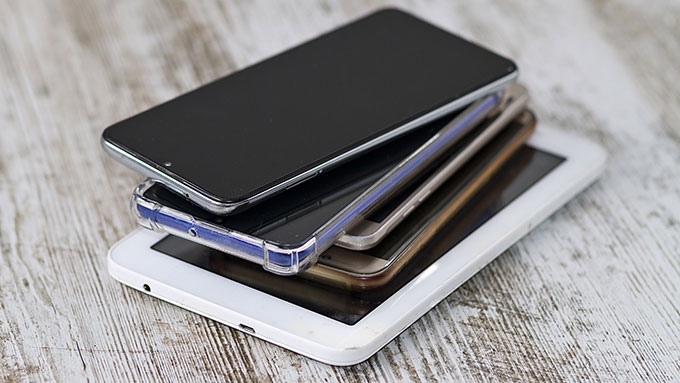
x=260, y=126
x=524, y=169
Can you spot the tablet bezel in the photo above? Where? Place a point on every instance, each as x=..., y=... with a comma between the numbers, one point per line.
x=132, y=262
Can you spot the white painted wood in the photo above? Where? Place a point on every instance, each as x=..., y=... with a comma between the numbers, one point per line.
x=592, y=293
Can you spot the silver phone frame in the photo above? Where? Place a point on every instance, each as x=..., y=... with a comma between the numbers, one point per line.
x=207, y=201
x=366, y=234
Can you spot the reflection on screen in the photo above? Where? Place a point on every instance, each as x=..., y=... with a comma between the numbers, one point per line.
x=523, y=170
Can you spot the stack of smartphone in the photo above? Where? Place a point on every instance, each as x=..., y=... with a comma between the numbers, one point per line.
x=337, y=160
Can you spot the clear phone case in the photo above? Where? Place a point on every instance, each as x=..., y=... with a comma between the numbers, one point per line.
x=290, y=259
x=273, y=257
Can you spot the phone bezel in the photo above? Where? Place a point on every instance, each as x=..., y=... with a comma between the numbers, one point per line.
x=366, y=234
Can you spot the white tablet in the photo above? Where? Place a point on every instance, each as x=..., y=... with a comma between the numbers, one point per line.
x=343, y=328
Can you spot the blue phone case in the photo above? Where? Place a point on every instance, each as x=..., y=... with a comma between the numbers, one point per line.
x=289, y=260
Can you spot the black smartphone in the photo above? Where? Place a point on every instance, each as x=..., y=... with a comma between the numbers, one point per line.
x=252, y=134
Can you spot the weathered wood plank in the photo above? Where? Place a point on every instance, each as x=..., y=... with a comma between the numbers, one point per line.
x=591, y=294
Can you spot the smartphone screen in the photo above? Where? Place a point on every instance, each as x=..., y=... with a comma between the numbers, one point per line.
x=249, y=135
x=524, y=169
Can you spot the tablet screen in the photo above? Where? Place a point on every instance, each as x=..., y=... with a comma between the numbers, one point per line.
x=523, y=170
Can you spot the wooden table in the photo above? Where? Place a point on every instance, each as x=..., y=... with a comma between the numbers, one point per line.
x=591, y=293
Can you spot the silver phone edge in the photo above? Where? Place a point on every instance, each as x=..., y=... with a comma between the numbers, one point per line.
x=223, y=208
x=358, y=242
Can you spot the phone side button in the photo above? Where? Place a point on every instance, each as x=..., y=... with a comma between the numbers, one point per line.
x=301, y=181
x=424, y=196
x=408, y=210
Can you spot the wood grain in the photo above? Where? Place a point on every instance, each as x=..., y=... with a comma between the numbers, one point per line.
x=592, y=294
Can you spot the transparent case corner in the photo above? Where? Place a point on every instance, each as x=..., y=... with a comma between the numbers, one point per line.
x=273, y=257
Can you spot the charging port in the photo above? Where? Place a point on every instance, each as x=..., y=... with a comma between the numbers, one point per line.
x=247, y=329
